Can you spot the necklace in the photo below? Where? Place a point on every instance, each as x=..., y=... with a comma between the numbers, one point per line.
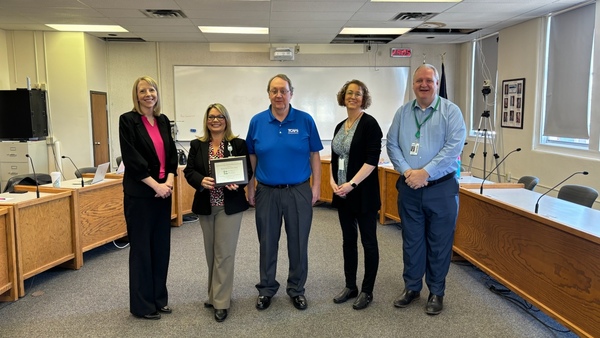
x=349, y=126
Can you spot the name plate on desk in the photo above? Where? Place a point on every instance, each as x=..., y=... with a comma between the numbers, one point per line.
x=229, y=170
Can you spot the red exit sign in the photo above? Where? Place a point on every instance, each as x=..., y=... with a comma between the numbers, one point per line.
x=400, y=52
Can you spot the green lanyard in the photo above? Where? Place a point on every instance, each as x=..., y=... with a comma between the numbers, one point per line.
x=418, y=133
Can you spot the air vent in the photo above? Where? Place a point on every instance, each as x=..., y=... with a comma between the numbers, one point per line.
x=124, y=39
x=364, y=38
x=164, y=13
x=444, y=31
x=413, y=16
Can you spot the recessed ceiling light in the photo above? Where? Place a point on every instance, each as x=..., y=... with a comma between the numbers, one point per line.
x=416, y=0
x=234, y=30
x=87, y=28
x=353, y=30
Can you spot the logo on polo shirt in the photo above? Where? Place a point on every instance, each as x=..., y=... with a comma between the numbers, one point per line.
x=292, y=131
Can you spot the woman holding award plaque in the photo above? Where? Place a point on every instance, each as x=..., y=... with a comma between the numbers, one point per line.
x=219, y=205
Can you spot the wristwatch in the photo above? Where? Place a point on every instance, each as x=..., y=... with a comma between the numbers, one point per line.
x=354, y=185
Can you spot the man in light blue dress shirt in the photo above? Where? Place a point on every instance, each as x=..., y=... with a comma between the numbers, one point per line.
x=424, y=141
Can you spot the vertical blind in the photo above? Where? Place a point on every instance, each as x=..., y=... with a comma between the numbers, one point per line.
x=569, y=67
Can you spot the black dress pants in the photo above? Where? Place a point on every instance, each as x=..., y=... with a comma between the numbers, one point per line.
x=149, y=232
x=352, y=221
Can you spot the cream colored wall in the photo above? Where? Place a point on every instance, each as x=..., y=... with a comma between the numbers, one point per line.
x=519, y=50
x=69, y=98
x=127, y=61
x=74, y=65
x=67, y=65
x=4, y=78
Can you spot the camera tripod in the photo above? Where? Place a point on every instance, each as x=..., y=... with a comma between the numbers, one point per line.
x=488, y=129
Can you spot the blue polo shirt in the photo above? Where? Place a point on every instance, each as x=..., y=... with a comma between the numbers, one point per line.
x=283, y=149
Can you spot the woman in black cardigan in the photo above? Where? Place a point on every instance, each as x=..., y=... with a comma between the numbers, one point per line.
x=356, y=147
x=148, y=152
x=219, y=208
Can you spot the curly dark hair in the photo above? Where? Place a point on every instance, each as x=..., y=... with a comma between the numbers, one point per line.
x=341, y=95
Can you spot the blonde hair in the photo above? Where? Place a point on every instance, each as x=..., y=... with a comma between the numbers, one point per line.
x=228, y=134
x=136, y=102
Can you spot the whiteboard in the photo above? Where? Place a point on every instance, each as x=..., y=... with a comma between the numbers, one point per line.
x=243, y=91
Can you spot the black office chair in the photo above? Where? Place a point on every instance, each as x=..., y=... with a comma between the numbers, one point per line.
x=529, y=182
x=26, y=179
x=85, y=170
x=579, y=194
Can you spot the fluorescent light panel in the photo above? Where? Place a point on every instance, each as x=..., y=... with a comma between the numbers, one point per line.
x=416, y=1
x=87, y=28
x=234, y=30
x=373, y=31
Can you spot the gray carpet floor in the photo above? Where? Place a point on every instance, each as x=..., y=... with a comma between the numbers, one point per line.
x=93, y=301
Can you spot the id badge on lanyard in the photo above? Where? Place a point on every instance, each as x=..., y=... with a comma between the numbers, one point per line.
x=414, y=148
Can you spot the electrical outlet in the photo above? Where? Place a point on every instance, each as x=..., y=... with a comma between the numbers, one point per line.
x=508, y=176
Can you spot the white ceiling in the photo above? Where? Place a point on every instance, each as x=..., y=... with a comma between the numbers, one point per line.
x=289, y=21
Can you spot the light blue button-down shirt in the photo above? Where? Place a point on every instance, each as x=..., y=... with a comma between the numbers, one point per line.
x=441, y=138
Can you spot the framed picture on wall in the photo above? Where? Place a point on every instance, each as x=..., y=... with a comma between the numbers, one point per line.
x=514, y=103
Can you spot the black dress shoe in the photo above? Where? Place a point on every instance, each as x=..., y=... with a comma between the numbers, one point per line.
x=346, y=294
x=435, y=304
x=363, y=300
x=406, y=298
x=220, y=315
x=165, y=309
x=208, y=305
x=299, y=302
x=151, y=316
x=263, y=302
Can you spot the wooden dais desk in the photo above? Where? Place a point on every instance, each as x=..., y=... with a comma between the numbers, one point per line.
x=551, y=259
x=45, y=233
x=98, y=213
x=8, y=263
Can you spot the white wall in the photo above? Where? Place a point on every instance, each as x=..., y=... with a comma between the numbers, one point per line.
x=128, y=61
x=520, y=49
x=76, y=67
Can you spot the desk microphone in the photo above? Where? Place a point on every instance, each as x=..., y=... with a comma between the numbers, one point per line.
x=537, y=204
x=80, y=175
x=37, y=185
x=496, y=167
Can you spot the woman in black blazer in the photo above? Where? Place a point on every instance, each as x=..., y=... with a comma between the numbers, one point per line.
x=219, y=209
x=150, y=158
x=355, y=151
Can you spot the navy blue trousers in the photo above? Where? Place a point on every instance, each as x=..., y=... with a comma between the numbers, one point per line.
x=428, y=218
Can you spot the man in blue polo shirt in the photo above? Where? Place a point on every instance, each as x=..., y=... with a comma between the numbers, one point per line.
x=284, y=146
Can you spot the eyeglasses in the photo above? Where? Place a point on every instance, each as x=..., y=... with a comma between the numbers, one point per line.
x=213, y=118
x=351, y=93
x=280, y=91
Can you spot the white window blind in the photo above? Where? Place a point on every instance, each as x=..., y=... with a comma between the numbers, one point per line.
x=569, y=68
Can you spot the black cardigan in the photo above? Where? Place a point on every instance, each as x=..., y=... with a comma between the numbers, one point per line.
x=364, y=148
x=138, y=153
x=198, y=167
